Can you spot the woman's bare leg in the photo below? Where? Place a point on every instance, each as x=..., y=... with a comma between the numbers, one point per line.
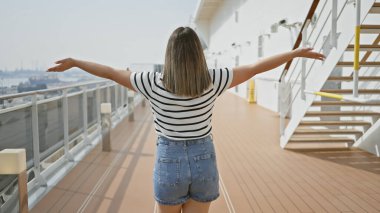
x=192, y=206
x=169, y=209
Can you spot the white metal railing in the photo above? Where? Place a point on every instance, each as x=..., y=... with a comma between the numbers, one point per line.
x=330, y=34
x=356, y=51
x=290, y=82
x=47, y=121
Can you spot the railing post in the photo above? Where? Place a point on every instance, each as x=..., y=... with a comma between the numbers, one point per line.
x=97, y=101
x=122, y=98
x=126, y=100
x=36, y=143
x=304, y=60
x=356, y=51
x=85, y=114
x=282, y=105
x=65, y=110
x=116, y=101
x=106, y=111
x=16, y=165
x=131, y=116
x=333, y=36
x=108, y=93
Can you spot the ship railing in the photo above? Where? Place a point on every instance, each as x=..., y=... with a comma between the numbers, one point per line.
x=57, y=127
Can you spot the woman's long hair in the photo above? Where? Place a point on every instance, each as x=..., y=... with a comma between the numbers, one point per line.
x=185, y=69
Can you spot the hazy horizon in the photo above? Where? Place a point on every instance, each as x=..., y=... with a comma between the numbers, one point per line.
x=117, y=33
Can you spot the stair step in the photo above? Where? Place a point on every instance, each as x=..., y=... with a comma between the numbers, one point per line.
x=335, y=123
x=375, y=8
x=364, y=47
x=349, y=91
x=343, y=103
x=321, y=139
x=340, y=113
x=365, y=64
x=370, y=29
x=301, y=131
x=349, y=78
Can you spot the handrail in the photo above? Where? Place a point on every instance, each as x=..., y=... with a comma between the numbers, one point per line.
x=342, y=97
x=37, y=92
x=299, y=38
x=311, y=66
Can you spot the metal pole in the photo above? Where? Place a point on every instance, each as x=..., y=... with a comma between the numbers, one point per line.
x=108, y=93
x=122, y=98
x=65, y=110
x=36, y=143
x=116, y=101
x=106, y=126
x=98, y=106
x=334, y=11
x=281, y=93
x=131, y=116
x=304, y=60
x=356, y=50
x=85, y=115
x=36, y=136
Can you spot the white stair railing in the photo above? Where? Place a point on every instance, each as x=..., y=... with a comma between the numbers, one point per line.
x=331, y=32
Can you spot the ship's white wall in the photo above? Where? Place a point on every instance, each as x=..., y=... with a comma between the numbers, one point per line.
x=254, y=18
x=267, y=93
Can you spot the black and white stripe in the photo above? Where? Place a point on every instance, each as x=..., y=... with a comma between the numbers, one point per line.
x=181, y=118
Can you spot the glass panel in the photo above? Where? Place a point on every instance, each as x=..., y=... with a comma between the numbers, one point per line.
x=50, y=124
x=91, y=108
x=75, y=115
x=16, y=131
x=6, y=180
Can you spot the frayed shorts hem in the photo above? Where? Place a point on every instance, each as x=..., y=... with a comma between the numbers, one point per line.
x=205, y=200
x=184, y=200
x=173, y=203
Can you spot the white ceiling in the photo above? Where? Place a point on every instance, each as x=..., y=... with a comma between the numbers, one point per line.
x=206, y=9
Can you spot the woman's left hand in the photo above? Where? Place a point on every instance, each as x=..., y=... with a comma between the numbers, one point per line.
x=308, y=53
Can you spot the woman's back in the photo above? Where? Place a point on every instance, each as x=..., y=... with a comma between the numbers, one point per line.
x=182, y=100
x=177, y=117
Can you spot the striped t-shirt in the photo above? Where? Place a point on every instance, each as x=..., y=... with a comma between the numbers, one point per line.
x=178, y=117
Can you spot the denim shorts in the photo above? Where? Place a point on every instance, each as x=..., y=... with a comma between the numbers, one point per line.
x=185, y=169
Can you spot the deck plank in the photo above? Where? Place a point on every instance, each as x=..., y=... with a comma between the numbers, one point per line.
x=258, y=176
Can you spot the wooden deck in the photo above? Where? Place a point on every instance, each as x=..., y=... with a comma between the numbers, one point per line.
x=256, y=174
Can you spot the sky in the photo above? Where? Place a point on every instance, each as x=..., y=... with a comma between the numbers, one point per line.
x=36, y=33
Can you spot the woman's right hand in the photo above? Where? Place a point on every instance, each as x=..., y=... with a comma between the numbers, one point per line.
x=308, y=53
x=63, y=65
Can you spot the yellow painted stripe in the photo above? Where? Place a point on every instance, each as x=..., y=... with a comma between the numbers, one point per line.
x=357, y=48
x=329, y=95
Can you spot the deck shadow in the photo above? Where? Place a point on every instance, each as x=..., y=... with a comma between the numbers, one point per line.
x=354, y=158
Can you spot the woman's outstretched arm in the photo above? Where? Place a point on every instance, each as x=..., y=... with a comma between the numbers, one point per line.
x=243, y=73
x=119, y=76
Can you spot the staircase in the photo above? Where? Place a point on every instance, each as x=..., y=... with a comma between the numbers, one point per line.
x=317, y=123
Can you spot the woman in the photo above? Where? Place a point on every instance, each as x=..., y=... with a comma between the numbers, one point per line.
x=182, y=99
